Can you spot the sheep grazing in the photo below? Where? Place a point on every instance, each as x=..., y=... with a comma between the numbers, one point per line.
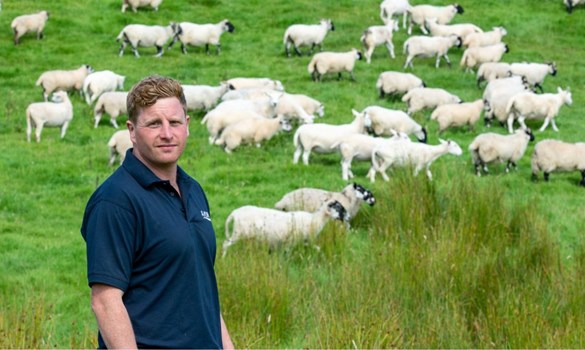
x=458, y=114
x=305, y=35
x=333, y=62
x=259, y=83
x=203, y=97
x=32, y=23
x=570, y=4
x=50, y=114
x=376, y=36
x=461, y=30
x=54, y=80
x=424, y=46
x=486, y=38
x=389, y=121
x=443, y=14
x=275, y=226
x=111, y=102
x=146, y=36
x=397, y=83
x=534, y=73
x=251, y=130
x=135, y=4
x=202, y=34
x=528, y=105
x=430, y=98
x=474, y=56
x=489, y=71
x=490, y=147
x=118, y=144
x=391, y=8
x=99, y=82
x=558, y=156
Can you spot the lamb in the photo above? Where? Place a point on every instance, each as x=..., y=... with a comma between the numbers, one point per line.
x=146, y=36
x=113, y=103
x=251, y=130
x=289, y=107
x=249, y=83
x=397, y=83
x=389, y=8
x=376, y=36
x=554, y=156
x=461, y=30
x=486, y=38
x=118, y=144
x=474, y=56
x=99, y=82
x=534, y=72
x=50, y=114
x=135, y=4
x=570, y=4
x=203, y=97
x=528, y=105
x=54, y=80
x=424, y=46
x=310, y=105
x=458, y=114
x=489, y=71
x=491, y=147
x=333, y=62
x=388, y=121
x=305, y=35
x=443, y=14
x=202, y=34
x=275, y=226
x=421, y=98
x=28, y=24
x=323, y=137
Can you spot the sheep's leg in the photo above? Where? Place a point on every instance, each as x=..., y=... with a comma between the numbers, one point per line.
x=537, y=85
x=371, y=174
x=351, y=75
x=554, y=125
x=297, y=50
x=218, y=49
x=64, y=129
x=582, y=182
x=447, y=60
x=159, y=51
x=112, y=156
x=113, y=122
x=546, y=175
x=429, y=174
x=510, y=123
x=408, y=62
x=97, y=119
x=312, y=48
x=339, y=76
x=390, y=49
x=135, y=50
x=297, y=154
x=122, y=47
x=521, y=122
x=38, y=130
x=226, y=244
x=306, y=154
x=40, y=35
x=368, y=54
x=183, y=48
x=345, y=165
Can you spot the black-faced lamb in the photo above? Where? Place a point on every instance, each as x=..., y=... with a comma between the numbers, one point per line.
x=458, y=114
x=112, y=103
x=146, y=36
x=387, y=122
x=429, y=98
x=305, y=35
x=99, y=82
x=118, y=144
x=251, y=130
x=397, y=83
x=443, y=14
x=202, y=34
x=534, y=73
x=66, y=80
x=203, y=97
x=135, y=4
x=485, y=38
x=333, y=62
x=424, y=46
x=528, y=105
x=50, y=114
x=379, y=35
x=474, y=56
x=558, y=156
x=31, y=23
x=391, y=8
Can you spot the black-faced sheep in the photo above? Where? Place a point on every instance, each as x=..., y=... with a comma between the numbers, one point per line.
x=135, y=4
x=528, y=105
x=376, y=36
x=333, y=62
x=202, y=34
x=558, y=156
x=305, y=35
x=54, y=80
x=146, y=36
x=424, y=46
x=443, y=14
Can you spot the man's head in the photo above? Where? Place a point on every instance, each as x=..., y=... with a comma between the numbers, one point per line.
x=148, y=91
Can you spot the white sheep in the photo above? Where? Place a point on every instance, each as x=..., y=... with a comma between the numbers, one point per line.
x=474, y=56
x=458, y=114
x=66, y=80
x=556, y=156
x=497, y=84
x=50, y=114
x=390, y=8
x=490, y=147
x=310, y=105
x=424, y=46
x=333, y=62
x=251, y=130
x=528, y=105
x=570, y=4
x=462, y=30
x=118, y=144
x=443, y=14
x=389, y=121
x=305, y=35
x=430, y=98
x=203, y=97
x=376, y=36
x=495, y=105
x=249, y=83
x=32, y=23
x=135, y=4
x=323, y=137
x=485, y=38
x=99, y=82
x=146, y=36
x=202, y=34
x=275, y=226
x=397, y=83
x=489, y=71
x=534, y=73
x=113, y=103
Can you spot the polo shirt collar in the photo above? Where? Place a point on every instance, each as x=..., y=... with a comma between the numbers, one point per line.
x=143, y=175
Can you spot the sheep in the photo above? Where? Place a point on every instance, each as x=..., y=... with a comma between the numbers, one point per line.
x=461, y=30
x=351, y=197
x=486, y=38
x=443, y=14
x=50, y=114
x=376, y=36
x=29, y=23
x=528, y=105
x=474, y=56
x=305, y=35
x=66, y=80
x=424, y=46
x=458, y=114
x=554, y=156
x=497, y=84
x=489, y=71
x=388, y=121
x=495, y=106
x=570, y=4
x=397, y=83
x=490, y=147
x=310, y=105
x=99, y=82
x=113, y=103
x=252, y=130
x=333, y=62
x=203, y=97
x=248, y=83
x=322, y=137
x=421, y=98
x=202, y=34
x=275, y=226
x=419, y=155
x=146, y=36
x=389, y=8
x=135, y=4
x=534, y=72
x=118, y=144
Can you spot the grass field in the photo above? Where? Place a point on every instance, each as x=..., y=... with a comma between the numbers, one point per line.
x=459, y=262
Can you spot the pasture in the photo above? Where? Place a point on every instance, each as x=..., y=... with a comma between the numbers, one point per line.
x=456, y=262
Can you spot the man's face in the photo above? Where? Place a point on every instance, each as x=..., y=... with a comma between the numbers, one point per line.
x=160, y=134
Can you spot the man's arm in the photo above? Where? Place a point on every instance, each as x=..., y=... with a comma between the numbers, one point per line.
x=225, y=336
x=112, y=317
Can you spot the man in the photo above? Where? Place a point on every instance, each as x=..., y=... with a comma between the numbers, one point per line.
x=150, y=242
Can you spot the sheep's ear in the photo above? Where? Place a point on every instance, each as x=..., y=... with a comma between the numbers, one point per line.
x=559, y=89
x=354, y=112
x=443, y=141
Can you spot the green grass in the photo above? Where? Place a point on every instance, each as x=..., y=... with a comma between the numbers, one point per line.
x=459, y=262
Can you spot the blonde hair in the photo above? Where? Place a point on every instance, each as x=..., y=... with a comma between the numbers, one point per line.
x=149, y=90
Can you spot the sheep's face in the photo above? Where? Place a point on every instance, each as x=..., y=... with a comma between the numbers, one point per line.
x=452, y=147
x=228, y=27
x=337, y=211
x=364, y=194
x=459, y=8
x=285, y=125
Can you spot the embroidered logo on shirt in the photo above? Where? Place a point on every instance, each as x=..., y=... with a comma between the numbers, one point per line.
x=205, y=215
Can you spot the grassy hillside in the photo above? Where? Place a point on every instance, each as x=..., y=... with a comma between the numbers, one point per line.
x=461, y=261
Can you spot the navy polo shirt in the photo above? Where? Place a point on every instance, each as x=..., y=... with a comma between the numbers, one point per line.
x=159, y=248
